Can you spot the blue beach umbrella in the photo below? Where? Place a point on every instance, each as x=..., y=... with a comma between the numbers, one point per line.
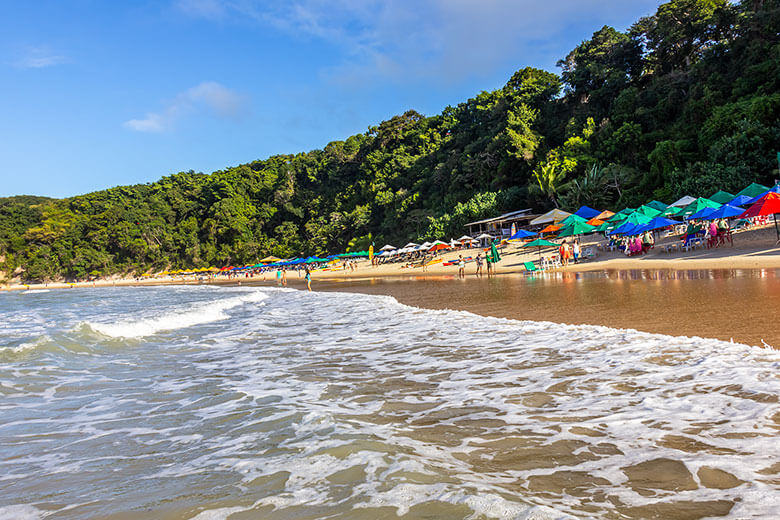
x=658, y=223
x=625, y=228
x=773, y=189
x=586, y=212
x=703, y=213
x=725, y=211
x=522, y=234
x=740, y=200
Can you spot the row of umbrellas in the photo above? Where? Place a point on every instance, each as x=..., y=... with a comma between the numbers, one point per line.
x=657, y=215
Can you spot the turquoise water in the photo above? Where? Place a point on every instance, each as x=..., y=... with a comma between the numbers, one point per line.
x=229, y=402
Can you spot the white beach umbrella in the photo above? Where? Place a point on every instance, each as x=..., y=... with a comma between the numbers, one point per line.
x=411, y=244
x=484, y=236
x=466, y=238
x=387, y=247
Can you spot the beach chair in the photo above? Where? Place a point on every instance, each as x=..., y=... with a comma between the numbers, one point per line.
x=530, y=267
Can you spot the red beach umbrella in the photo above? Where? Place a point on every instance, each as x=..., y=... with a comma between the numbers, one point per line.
x=769, y=204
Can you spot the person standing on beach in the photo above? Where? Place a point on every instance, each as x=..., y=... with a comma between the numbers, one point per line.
x=576, y=250
x=279, y=276
x=308, y=277
x=461, y=267
x=563, y=252
x=284, y=277
x=479, y=264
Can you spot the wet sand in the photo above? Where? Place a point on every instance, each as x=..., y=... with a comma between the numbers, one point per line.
x=738, y=304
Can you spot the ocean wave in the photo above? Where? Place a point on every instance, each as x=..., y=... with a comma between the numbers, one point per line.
x=197, y=314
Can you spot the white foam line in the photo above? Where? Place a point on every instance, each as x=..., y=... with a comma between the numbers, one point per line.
x=195, y=315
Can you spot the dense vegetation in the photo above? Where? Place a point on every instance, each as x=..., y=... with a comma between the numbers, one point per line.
x=685, y=102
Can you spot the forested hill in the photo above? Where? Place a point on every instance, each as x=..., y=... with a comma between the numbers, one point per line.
x=685, y=102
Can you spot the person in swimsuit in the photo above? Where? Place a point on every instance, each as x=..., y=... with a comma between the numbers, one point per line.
x=461, y=267
x=308, y=277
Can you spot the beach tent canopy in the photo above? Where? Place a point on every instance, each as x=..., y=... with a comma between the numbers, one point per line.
x=660, y=206
x=539, y=243
x=637, y=218
x=552, y=216
x=484, y=236
x=703, y=213
x=658, y=223
x=438, y=246
x=587, y=213
x=552, y=228
x=753, y=190
x=387, y=247
x=571, y=219
x=725, y=211
x=626, y=228
x=697, y=205
x=576, y=228
x=773, y=189
x=466, y=238
x=269, y=259
x=648, y=211
x=595, y=222
x=522, y=234
x=740, y=200
x=604, y=215
x=722, y=197
x=620, y=215
x=768, y=205
x=683, y=202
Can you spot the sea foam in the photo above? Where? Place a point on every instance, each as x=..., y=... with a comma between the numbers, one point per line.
x=193, y=315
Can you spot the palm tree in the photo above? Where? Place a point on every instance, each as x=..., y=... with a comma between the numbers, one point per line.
x=549, y=176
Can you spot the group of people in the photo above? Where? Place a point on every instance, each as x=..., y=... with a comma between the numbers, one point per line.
x=569, y=252
x=479, y=261
x=638, y=245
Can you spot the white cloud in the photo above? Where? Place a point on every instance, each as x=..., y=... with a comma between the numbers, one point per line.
x=437, y=39
x=225, y=103
x=39, y=57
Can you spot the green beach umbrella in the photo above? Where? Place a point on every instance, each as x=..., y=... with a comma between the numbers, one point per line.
x=672, y=211
x=637, y=218
x=697, y=205
x=620, y=215
x=576, y=228
x=648, y=211
x=539, y=243
x=722, y=197
x=754, y=190
x=572, y=219
x=660, y=206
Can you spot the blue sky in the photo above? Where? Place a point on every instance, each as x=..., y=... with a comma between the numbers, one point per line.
x=97, y=93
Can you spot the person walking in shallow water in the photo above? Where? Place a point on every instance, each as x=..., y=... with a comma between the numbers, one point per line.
x=308, y=277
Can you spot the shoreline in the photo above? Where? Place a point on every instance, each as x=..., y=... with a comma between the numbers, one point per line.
x=753, y=249
x=725, y=293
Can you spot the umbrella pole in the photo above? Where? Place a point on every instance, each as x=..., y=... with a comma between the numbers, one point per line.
x=777, y=230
